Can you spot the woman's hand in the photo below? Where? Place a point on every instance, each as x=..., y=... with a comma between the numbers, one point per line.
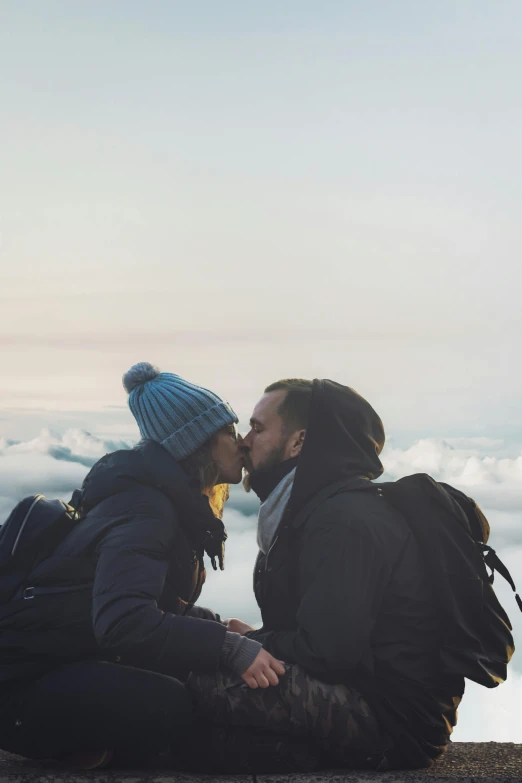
x=238, y=626
x=265, y=671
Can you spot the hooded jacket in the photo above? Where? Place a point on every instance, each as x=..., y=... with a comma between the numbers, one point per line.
x=121, y=585
x=342, y=590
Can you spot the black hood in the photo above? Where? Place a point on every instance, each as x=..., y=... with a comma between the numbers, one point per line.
x=149, y=464
x=343, y=440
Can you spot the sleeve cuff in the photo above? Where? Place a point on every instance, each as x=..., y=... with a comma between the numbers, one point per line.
x=238, y=652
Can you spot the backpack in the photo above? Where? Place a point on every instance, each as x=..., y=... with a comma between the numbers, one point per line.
x=33, y=529
x=452, y=534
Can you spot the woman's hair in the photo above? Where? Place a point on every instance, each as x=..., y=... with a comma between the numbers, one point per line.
x=201, y=466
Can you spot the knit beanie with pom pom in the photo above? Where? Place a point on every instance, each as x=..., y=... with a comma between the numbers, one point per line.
x=173, y=412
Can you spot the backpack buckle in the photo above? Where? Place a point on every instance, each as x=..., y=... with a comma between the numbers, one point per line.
x=28, y=593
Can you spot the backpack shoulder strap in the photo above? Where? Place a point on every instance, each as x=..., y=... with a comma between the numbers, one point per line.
x=337, y=488
x=24, y=522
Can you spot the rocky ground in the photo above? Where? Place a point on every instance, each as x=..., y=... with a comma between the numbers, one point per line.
x=464, y=762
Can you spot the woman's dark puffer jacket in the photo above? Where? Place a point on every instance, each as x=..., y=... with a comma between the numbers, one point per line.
x=120, y=585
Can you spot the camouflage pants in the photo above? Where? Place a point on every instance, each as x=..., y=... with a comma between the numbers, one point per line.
x=335, y=716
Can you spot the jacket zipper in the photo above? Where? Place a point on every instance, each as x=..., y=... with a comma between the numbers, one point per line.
x=191, y=603
x=272, y=545
x=281, y=526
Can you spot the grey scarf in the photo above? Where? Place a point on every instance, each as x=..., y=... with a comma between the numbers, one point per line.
x=272, y=510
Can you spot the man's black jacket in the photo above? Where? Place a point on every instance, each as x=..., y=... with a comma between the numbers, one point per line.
x=121, y=583
x=342, y=590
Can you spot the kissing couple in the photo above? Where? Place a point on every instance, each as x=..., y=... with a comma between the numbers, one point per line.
x=120, y=664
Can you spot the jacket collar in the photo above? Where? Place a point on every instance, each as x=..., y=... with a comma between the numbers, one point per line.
x=199, y=524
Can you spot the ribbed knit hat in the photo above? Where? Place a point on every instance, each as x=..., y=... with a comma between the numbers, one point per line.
x=173, y=412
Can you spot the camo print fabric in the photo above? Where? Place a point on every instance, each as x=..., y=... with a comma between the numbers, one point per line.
x=336, y=716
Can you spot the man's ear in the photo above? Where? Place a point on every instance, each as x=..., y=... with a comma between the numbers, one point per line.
x=297, y=443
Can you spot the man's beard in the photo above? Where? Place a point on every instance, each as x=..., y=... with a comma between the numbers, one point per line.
x=275, y=457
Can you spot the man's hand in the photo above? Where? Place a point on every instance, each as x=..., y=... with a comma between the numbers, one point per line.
x=238, y=626
x=264, y=671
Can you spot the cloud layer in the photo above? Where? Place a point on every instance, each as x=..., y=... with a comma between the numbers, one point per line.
x=53, y=464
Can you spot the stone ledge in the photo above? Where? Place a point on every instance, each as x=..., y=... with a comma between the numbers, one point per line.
x=465, y=762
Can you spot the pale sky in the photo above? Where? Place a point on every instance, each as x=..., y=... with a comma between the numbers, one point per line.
x=241, y=191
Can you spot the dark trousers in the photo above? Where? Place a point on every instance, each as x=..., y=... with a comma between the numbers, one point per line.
x=93, y=705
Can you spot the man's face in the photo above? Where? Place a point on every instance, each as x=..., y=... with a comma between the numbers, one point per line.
x=267, y=443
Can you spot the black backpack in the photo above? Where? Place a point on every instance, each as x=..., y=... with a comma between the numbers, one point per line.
x=452, y=534
x=31, y=532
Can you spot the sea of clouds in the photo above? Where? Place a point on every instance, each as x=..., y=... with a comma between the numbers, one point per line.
x=488, y=470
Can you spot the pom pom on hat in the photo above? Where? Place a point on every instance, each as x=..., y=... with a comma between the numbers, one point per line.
x=138, y=375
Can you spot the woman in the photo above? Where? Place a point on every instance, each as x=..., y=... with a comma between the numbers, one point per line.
x=92, y=666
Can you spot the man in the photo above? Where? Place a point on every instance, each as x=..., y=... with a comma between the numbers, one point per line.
x=341, y=588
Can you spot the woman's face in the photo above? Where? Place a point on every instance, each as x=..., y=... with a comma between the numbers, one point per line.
x=225, y=452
